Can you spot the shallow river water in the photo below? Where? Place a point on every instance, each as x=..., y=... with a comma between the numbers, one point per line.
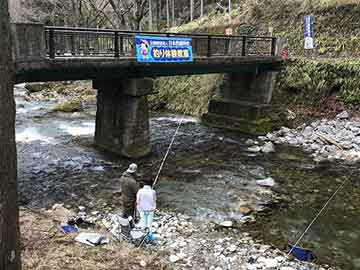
x=208, y=174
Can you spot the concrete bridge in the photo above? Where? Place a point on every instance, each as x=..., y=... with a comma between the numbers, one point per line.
x=108, y=58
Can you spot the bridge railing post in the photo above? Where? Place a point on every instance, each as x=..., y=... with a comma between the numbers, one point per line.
x=273, y=46
x=209, y=46
x=121, y=45
x=51, y=44
x=243, y=49
x=116, y=45
x=72, y=41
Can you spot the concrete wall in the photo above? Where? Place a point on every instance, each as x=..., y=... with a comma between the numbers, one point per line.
x=242, y=103
x=29, y=42
x=254, y=87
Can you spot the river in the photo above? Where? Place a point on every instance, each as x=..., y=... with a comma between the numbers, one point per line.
x=208, y=175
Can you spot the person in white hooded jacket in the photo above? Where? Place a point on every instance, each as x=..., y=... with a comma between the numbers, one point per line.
x=146, y=204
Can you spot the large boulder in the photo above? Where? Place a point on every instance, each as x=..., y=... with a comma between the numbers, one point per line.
x=73, y=105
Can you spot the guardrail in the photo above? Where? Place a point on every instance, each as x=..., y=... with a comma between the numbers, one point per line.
x=87, y=42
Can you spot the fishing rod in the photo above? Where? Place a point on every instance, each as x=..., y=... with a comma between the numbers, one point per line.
x=167, y=152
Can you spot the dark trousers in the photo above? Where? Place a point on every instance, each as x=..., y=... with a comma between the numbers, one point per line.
x=128, y=209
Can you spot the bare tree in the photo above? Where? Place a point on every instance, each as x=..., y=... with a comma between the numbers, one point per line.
x=173, y=12
x=132, y=12
x=191, y=10
x=229, y=8
x=167, y=14
x=150, y=16
x=9, y=211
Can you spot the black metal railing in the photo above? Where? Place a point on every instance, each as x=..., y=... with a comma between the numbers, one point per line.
x=85, y=42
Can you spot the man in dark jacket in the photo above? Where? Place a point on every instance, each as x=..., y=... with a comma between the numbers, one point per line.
x=129, y=188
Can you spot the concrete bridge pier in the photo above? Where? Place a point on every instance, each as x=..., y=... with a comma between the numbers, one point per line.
x=122, y=117
x=242, y=103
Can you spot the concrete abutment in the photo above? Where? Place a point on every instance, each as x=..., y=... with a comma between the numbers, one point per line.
x=242, y=103
x=122, y=117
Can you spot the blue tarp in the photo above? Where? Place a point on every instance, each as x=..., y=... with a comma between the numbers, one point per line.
x=69, y=229
x=302, y=254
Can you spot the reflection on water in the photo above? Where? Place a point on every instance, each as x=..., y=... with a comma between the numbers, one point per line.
x=208, y=174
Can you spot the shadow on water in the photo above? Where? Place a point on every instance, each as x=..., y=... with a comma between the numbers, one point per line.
x=208, y=175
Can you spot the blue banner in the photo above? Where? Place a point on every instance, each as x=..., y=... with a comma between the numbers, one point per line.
x=152, y=49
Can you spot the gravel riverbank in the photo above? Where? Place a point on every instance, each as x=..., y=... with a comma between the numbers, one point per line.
x=326, y=139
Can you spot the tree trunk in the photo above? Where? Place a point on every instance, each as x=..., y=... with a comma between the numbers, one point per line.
x=229, y=8
x=167, y=14
x=173, y=12
x=202, y=8
x=9, y=211
x=150, y=16
x=191, y=10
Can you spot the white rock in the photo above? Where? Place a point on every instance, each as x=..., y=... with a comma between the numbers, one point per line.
x=287, y=268
x=218, y=268
x=280, y=258
x=174, y=245
x=173, y=258
x=81, y=208
x=181, y=255
x=249, y=142
x=343, y=115
x=268, y=262
x=290, y=115
x=143, y=263
x=254, y=149
x=268, y=148
x=226, y=223
x=267, y=182
x=232, y=248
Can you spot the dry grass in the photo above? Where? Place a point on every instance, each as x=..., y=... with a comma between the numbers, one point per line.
x=44, y=247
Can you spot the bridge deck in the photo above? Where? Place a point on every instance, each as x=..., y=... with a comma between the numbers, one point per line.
x=109, y=68
x=57, y=53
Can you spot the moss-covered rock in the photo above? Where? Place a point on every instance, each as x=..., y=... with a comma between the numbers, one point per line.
x=37, y=87
x=74, y=105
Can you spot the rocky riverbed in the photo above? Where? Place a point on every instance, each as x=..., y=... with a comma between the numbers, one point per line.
x=326, y=140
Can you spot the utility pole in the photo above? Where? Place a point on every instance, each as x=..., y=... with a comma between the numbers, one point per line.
x=150, y=16
x=191, y=10
x=167, y=14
